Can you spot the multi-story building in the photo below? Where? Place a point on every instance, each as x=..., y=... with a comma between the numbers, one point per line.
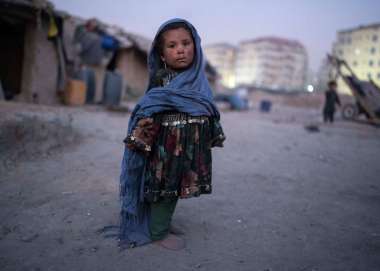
x=222, y=58
x=273, y=63
x=360, y=48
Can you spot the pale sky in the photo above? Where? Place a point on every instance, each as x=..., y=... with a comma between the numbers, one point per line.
x=312, y=22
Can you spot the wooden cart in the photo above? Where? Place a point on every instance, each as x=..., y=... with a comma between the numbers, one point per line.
x=366, y=93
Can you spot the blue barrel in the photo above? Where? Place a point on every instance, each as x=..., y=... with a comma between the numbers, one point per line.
x=237, y=103
x=265, y=106
x=88, y=76
x=112, y=87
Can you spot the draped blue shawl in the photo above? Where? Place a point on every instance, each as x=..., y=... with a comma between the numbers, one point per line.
x=188, y=92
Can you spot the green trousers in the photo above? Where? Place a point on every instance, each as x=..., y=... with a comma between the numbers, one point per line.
x=161, y=214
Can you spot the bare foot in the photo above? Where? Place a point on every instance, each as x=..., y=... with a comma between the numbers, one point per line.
x=171, y=242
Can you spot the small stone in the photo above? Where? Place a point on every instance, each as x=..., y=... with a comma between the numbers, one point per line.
x=79, y=250
x=5, y=230
x=29, y=238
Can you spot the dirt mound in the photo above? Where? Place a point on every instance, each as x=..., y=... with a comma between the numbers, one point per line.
x=27, y=135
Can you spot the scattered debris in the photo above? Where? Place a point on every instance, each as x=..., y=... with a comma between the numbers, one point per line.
x=118, y=108
x=4, y=231
x=67, y=193
x=30, y=238
x=322, y=158
x=60, y=240
x=312, y=128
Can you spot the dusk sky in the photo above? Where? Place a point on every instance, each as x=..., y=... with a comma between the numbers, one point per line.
x=311, y=22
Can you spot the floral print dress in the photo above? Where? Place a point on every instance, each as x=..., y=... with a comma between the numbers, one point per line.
x=180, y=162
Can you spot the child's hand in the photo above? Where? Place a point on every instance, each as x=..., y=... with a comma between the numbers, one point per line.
x=143, y=135
x=146, y=130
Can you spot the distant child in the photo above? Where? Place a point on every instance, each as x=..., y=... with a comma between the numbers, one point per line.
x=331, y=98
x=170, y=135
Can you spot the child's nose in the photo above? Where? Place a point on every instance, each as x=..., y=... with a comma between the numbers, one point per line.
x=180, y=49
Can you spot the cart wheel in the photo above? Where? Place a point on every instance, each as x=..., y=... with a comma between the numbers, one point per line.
x=349, y=111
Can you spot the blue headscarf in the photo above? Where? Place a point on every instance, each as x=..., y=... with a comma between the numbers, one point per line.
x=188, y=92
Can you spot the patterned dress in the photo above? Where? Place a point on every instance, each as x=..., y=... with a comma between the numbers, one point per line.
x=180, y=162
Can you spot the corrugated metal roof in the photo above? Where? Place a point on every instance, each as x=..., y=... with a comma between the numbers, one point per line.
x=39, y=4
x=128, y=39
x=118, y=33
x=29, y=6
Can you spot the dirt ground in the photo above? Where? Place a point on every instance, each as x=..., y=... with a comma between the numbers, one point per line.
x=284, y=198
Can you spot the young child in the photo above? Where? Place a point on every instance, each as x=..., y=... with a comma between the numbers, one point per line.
x=170, y=135
x=331, y=99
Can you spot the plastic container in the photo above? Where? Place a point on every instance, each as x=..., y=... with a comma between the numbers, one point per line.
x=75, y=92
x=265, y=106
x=112, y=88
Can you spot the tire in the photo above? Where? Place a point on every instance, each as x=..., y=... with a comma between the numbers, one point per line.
x=349, y=111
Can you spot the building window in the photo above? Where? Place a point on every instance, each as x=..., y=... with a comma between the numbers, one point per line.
x=375, y=38
x=340, y=52
x=355, y=63
x=370, y=63
x=373, y=50
x=378, y=75
x=369, y=75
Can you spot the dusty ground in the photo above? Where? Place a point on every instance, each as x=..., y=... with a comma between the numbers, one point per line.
x=284, y=198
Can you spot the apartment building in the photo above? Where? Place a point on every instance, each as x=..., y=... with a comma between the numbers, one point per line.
x=222, y=57
x=271, y=62
x=360, y=48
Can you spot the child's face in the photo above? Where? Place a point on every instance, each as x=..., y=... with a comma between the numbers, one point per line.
x=178, y=49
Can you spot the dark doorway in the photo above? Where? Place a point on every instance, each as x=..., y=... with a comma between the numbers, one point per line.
x=11, y=56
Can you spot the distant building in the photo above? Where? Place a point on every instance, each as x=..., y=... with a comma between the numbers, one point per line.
x=360, y=48
x=270, y=62
x=222, y=57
